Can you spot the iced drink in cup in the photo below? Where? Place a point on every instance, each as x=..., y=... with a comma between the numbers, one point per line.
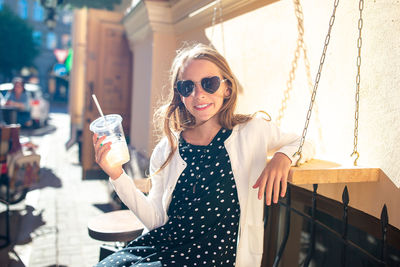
x=111, y=126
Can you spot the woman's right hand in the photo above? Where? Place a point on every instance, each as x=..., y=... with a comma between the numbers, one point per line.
x=100, y=152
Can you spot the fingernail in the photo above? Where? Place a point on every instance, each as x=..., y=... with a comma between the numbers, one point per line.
x=101, y=144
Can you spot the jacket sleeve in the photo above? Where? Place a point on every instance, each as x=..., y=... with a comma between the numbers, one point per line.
x=286, y=143
x=148, y=209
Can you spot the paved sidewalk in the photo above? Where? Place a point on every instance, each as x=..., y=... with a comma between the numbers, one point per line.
x=52, y=221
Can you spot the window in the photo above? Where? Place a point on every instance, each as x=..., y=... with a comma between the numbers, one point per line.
x=51, y=41
x=23, y=9
x=38, y=12
x=37, y=38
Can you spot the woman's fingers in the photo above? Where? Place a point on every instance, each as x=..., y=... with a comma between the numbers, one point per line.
x=277, y=183
x=284, y=186
x=94, y=138
x=257, y=184
x=265, y=185
x=270, y=184
x=269, y=187
x=97, y=142
x=100, y=149
x=102, y=152
x=260, y=183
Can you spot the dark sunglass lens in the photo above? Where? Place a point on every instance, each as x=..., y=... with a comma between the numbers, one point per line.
x=211, y=84
x=185, y=88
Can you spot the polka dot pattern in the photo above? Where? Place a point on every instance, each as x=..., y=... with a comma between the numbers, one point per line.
x=203, y=215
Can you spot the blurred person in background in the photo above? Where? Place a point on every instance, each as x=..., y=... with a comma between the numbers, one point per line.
x=20, y=100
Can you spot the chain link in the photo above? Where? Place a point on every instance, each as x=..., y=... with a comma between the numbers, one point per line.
x=292, y=73
x=358, y=79
x=218, y=11
x=213, y=23
x=301, y=46
x=221, y=22
x=318, y=76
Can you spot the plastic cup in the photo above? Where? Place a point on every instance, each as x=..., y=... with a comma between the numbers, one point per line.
x=111, y=126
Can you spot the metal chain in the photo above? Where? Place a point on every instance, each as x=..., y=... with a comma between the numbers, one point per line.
x=292, y=73
x=218, y=8
x=310, y=87
x=321, y=63
x=358, y=79
x=222, y=26
x=301, y=46
x=213, y=23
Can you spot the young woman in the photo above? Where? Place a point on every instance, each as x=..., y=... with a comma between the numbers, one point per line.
x=209, y=173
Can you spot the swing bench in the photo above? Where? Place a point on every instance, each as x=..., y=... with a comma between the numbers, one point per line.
x=318, y=171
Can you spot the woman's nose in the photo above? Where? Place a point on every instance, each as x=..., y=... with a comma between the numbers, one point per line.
x=198, y=90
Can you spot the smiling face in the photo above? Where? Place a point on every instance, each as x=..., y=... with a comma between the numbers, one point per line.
x=202, y=105
x=18, y=88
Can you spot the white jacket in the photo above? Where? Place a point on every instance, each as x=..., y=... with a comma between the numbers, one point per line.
x=247, y=146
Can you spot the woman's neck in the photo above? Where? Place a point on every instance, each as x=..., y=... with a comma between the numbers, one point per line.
x=17, y=94
x=202, y=134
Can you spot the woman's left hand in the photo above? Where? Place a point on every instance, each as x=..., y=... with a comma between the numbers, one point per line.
x=273, y=178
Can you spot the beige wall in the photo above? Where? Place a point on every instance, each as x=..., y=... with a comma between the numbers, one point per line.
x=259, y=45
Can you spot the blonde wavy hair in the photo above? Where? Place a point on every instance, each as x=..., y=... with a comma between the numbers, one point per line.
x=175, y=117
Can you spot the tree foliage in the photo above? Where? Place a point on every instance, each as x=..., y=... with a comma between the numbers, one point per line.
x=17, y=47
x=99, y=4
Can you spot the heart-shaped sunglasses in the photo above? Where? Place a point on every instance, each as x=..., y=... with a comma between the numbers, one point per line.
x=209, y=84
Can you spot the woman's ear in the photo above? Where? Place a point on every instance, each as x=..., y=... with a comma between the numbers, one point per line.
x=227, y=93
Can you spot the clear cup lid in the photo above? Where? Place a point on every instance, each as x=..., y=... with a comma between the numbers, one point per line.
x=111, y=121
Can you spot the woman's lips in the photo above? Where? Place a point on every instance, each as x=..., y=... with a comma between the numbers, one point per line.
x=202, y=107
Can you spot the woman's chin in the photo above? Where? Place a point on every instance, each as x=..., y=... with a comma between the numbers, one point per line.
x=204, y=119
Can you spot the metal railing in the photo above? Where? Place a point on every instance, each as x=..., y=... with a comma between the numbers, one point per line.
x=320, y=225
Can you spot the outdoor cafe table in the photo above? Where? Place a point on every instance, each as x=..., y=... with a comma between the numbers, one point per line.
x=115, y=226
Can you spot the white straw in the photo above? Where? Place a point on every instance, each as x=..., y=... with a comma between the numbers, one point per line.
x=99, y=109
x=98, y=105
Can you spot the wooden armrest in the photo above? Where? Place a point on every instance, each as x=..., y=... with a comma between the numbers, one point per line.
x=321, y=172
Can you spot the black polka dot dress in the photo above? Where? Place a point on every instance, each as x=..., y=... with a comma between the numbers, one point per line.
x=203, y=215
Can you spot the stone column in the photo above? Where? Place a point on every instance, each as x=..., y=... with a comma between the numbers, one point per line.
x=151, y=36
